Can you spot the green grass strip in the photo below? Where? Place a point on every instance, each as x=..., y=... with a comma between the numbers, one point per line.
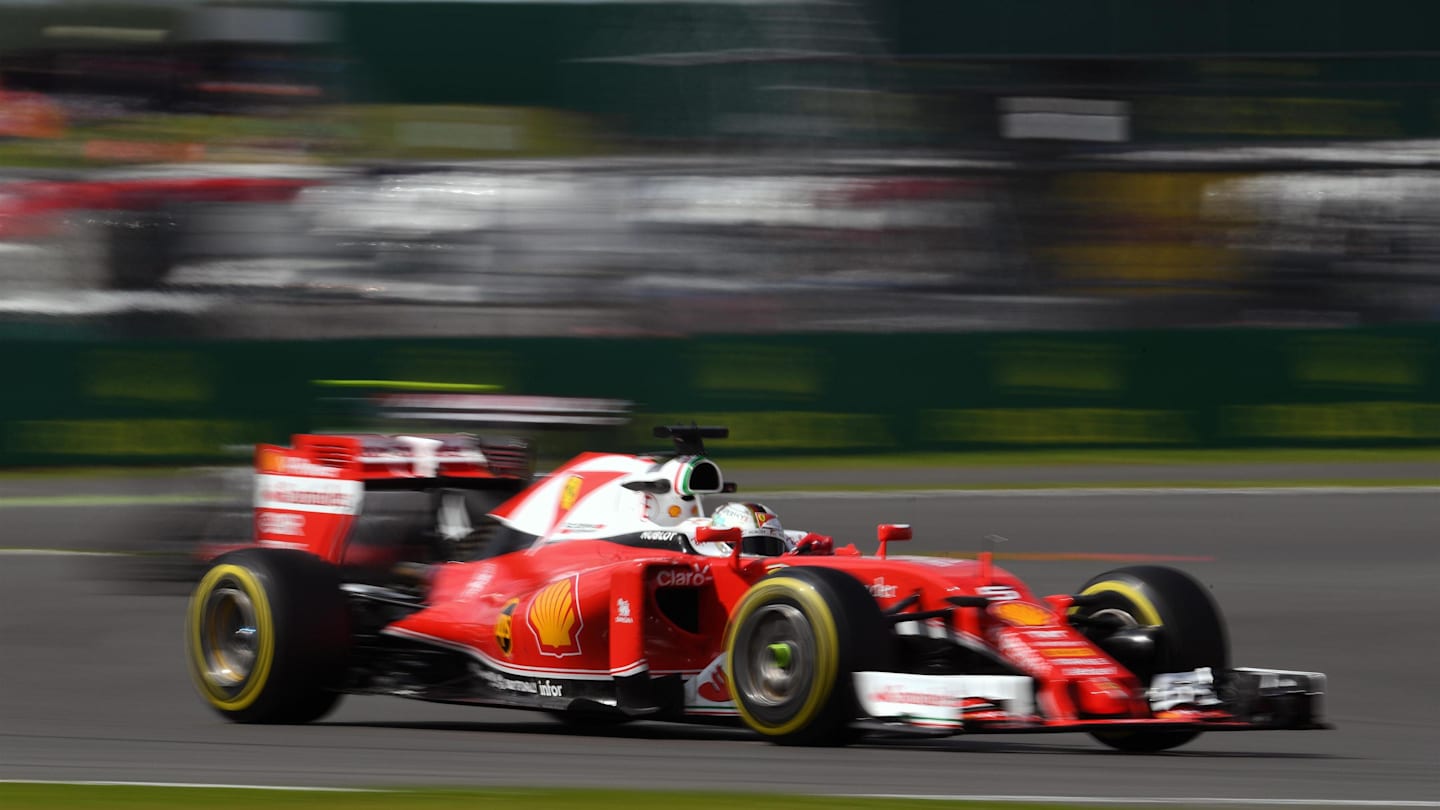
x=737, y=466
x=407, y=385
x=45, y=501
x=1035, y=458
x=74, y=797
x=27, y=473
x=1278, y=483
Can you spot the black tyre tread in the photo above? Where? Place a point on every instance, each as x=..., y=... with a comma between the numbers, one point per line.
x=867, y=643
x=311, y=623
x=1144, y=742
x=1194, y=637
x=1194, y=626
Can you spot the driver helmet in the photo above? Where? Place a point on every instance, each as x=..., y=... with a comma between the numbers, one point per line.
x=760, y=529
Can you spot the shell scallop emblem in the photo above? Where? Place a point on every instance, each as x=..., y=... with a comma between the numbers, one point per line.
x=1023, y=614
x=554, y=618
x=504, y=634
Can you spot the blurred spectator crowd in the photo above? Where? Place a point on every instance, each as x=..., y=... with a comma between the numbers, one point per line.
x=322, y=170
x=680, y=246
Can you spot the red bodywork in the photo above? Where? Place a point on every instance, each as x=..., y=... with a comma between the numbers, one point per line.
x=564, y=620
x=609, y=590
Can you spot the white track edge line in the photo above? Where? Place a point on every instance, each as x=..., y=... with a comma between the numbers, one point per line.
x=203, y=785
x=58, y=552
x=1191, y=800
x=1100, y=492
x=1186, y=800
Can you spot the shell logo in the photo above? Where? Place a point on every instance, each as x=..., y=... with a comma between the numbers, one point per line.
x=1022, y=613
x=571, y=493
x=504, y=632
x=554, y=618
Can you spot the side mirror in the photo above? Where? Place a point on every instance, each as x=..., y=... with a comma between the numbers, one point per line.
x=706, y=534
x=657, y=487
x=814, y=544
x=892, y=532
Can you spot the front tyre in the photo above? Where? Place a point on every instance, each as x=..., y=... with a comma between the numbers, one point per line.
x=1189, y=634
x=792, y=644
x=267, y=636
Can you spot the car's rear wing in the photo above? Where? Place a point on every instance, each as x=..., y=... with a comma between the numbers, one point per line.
x=311, y=494
x=371, y=457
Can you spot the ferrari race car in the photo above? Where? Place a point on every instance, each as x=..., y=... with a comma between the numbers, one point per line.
x=607, y=595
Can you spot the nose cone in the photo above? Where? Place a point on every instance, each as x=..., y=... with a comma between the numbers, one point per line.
x=1099, y=697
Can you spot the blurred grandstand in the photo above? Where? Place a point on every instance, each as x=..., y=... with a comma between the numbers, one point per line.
x=329, y=169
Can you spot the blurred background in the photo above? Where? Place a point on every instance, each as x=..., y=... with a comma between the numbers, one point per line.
x=838, y=225
x=925, y=244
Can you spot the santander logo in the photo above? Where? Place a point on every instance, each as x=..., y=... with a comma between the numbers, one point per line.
x=299, y=494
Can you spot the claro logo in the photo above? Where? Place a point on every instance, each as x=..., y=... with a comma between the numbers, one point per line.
x=298, y=494
x=682, y=577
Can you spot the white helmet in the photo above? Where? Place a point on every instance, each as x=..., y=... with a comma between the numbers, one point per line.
x=760, y=529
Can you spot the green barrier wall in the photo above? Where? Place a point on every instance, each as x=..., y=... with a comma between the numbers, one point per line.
x=123, y=403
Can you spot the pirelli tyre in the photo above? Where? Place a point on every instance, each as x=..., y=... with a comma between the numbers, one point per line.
x=793, y=642
x=1188, y=633
x=268, y=635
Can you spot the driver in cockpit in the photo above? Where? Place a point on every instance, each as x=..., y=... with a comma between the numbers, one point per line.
x=761, y=533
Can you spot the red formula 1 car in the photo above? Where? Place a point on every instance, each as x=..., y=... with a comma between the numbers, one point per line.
x=607, y=595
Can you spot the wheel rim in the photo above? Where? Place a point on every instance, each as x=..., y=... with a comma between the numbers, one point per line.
x=1125, y=617
x=229, y=641
x=777, y=668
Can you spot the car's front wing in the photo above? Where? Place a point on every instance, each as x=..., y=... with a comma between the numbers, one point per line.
x=1237, y=699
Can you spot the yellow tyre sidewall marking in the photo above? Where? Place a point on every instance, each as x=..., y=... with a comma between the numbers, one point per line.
x=264, y=630
x=827, y=649
x=1147, y=614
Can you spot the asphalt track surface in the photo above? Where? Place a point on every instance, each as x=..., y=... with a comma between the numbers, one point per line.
x=92, y=685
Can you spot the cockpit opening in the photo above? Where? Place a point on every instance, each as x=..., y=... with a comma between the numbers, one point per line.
x=705, y=477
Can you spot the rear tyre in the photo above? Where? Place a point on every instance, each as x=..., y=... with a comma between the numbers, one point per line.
x=1191, y=634
x=268, y=635
x=793, y=642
